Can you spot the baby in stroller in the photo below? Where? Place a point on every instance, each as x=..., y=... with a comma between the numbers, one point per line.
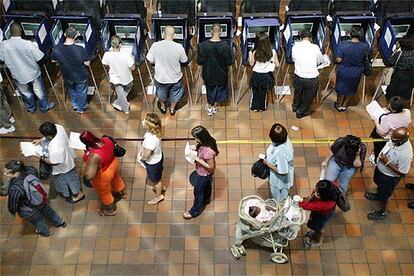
x=260, y=211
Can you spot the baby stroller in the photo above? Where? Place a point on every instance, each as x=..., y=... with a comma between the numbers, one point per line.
x=275, y=233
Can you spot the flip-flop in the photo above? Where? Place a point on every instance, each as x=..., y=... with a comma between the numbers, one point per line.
x=187, y=215
x=75, y=201
x=151, y=202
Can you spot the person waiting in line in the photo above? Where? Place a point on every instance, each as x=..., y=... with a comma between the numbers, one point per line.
x=6, y=118
x=264, y=60
x=395, y=116
x=279, y=159
x=151, y=155
x=402, y=81
x=393, y=163
x=121, y=66
x=62, y=159
x=19, y=203
x=22, y=57
x=102, y=168
x=168, y=56
x=215, y=56
x=306, y=57
x=202, y=178
x=321, y=202
x=73, y=61
x=346, y=156
x=351, y=58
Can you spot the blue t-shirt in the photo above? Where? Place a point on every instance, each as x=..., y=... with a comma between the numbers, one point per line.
x=71, y=60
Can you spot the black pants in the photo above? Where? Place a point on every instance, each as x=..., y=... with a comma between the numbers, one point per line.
x=378, y=146
x=305, y=92
x=202, y=192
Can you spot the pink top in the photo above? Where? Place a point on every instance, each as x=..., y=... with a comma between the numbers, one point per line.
x=206, y=154
x=392, y=121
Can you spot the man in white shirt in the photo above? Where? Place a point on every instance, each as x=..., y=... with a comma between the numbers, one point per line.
x=168, y=56
x=393, y=163
x=62, y=159
x=22, y=57
x=121, y=66
x=6, y=119
x=306, y=57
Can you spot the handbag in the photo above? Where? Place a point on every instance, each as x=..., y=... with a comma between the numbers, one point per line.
x=367, y=66
x=118, y=150
x=260, y=170
x=342, y=199
x=389, y=71
x=45, y=170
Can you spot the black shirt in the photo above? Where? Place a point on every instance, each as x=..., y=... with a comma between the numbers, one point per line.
x=215, y=57
x=71, y=60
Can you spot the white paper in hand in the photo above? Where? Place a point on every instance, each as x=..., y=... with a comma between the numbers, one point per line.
x=75, y=142
x=189, y=154
x=29, y=149
x=374, y=110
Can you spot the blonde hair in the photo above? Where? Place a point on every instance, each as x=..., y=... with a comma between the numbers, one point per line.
x=153, y=122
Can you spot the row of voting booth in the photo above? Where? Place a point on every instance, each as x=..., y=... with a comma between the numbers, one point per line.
x=96, y=21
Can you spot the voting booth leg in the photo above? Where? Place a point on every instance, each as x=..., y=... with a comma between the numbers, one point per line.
x=239, y=67
x=379, y=85
x=280, y=95
x=143, y=87
x=96, y=85
x=10, y=81
x=149, y=72
x=241, y=86
x=188, y=85
x=411, y=100
x=331, y=75
x=107, y=77
x=51, y=83
x=198, y=85
x=233, y=94
x=364, y=84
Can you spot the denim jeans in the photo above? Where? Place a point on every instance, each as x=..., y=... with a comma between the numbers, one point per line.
x=202, y=192
x=78, y=92
x=36, y=216
x=122, y=92
x=5, y=111
x=32, y=89
x=342, y=174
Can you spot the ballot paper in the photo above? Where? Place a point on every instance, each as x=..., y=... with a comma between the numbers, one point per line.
x=375, y=110
x=29, y=149
x=75, y=142
x=326, y=61
x=189, y=154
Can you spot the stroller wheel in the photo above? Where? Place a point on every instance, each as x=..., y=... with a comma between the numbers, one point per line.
x=279, y=257
x=242, y=250
x=235, y=251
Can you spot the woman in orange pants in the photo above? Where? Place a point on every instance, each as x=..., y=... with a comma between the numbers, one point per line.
x=102, y=168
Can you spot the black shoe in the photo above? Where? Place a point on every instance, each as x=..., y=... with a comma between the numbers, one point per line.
x=301, y=115
x=409, y=186
x=62, y=225
x=377, y=215
x=371, y=196
x=411, y=205
x=163, y=110
x=172, y=112
x=294, y=108
x=41, y=234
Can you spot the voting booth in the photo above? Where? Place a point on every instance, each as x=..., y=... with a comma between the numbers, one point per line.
x=126, y=7
x=218, y=6
x=180, y=24
x=94, y=9
x=48, y=7
x=182, y=7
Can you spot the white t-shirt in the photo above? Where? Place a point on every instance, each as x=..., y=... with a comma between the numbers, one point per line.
x=120, y=64
x=60, y=153
x=306, y=57
x=167, y=56
x=265, y=67
x=152, y=143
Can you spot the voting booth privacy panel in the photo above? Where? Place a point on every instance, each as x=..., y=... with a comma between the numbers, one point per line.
x=259, y=6
x=128, y=28
x=349, y=13
x=216, y=6
x=126, y=7
x=205, y=24
x=47, y=6
x=178, y=7
x=94, y=9
x=397, y=21
x=180, y=24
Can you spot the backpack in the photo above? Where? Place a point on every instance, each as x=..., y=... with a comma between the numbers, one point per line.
x=35, y=192
x=260, y=170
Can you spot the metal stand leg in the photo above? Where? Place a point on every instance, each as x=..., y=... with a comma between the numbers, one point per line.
x=280, y=97
x=198, y=85
x=411, y=101
x=96, y=85
x=378, y=86
x=241, y=85
x=149, y=72
x=232, y=85
x=331, y=74
x=143, y=87
x=107, y=77
x=10, y=81
x=364, y=82
x=51, y=83
x=188, y=86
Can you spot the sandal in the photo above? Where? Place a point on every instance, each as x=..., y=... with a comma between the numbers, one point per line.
x=73, y=200
x=187, y=215
x=156, y=200
x=337, y=107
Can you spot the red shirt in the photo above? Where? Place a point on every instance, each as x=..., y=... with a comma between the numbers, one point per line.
x=106, y=153
x=322, y=207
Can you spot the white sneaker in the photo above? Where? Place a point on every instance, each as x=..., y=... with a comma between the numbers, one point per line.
x=117, y=107
x=371, y=158
x=215, y=109
x=210, y=111
x=7, y=130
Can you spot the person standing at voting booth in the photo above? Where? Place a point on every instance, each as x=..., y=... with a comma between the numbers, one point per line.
x=306, y=57
x=351, y=58
x=22, y=57
x=402, y=80
x=168, y=56
x=264, y=60
x=215, y=56
x=6, y=118
x=393, y=163
x=73, y=60
x=121, y=66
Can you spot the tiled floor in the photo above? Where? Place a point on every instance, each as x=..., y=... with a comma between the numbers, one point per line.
x=156, y=240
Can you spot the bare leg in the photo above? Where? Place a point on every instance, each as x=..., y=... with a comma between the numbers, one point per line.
x=159, y=196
